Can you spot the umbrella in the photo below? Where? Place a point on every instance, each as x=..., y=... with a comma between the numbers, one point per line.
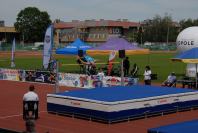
x=189, y=56
x=72, y=49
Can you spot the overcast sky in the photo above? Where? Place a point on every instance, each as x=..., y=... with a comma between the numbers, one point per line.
x=133, y=10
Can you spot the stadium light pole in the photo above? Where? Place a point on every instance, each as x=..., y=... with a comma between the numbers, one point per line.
x=168, y=25
x=167, y=37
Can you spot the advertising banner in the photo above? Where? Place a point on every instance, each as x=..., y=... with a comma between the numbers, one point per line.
x=85, y=81
x=74, y=80
x=40, y=76
x=9, y=74
x=65, y=79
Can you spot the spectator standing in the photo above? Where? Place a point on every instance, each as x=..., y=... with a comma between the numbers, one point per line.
x=126, y=66
x=101, y=74
x=147, y=75
x=29, y=76
x=100, y=77
x=52, y=78
x=134, y=71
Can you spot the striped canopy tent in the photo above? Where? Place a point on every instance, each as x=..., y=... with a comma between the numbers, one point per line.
x=116, y=43
x=189, y=56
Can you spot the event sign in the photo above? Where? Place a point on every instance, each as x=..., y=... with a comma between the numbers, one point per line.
x=47, y=50
x=9, y=74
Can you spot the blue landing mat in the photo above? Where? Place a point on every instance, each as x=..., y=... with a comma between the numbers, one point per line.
x=120, y=93
x=184, y=127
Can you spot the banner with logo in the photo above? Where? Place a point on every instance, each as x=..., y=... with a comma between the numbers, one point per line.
x=9, y=74
x=74, y=80
x=85, y=81
x=27, y=75
x=40, y=76
x=47, y=50
x=65, y=79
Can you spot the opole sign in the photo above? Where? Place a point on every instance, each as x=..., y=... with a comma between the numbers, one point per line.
x=187, y=39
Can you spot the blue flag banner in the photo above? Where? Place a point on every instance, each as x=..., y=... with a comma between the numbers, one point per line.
x=13, y=51
x=47, y=50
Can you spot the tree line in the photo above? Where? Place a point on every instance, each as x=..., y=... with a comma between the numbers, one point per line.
x=32, y=23
x=161, y=29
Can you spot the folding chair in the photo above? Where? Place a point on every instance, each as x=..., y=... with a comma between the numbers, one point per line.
x=30, y=106
x=173, y=84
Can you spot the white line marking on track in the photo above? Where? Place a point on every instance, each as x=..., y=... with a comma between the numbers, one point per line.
x=17, y=115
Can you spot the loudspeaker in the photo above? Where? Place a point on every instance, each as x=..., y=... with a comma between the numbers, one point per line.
x=80, y=53
x=121, y=53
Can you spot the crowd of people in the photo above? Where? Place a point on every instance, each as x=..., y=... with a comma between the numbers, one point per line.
x=88, y=65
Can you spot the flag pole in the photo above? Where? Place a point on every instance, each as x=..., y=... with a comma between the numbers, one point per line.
x=13, y=53
x=56, y=86
x=122, y=73
x=196, y=76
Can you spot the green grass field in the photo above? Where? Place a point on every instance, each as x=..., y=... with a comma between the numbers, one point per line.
x=160, y=64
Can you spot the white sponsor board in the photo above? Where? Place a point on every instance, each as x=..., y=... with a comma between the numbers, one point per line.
x=191, y=70
x=74, y=80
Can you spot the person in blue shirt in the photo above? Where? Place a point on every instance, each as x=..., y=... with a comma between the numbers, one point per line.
x=90, y=64
x=88, y=61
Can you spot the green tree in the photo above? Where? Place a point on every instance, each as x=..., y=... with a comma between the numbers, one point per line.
x=188, y=23
x=131, y=36
x=32, y=23
x=159, y=29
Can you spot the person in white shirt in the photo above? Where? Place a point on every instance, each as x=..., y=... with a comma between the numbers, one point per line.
x=171, y=79
x=100, y=76
x=147, y=75
x=134, y=71
x=30, y=103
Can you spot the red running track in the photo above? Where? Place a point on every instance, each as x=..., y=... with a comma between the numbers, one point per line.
x=11, y=94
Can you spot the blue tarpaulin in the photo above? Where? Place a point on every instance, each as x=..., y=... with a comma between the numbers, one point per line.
x=72, y=49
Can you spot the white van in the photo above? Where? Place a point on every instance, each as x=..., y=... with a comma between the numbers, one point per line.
x=38, y=46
